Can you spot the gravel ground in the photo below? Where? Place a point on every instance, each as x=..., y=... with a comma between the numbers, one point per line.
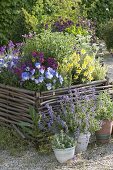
x=96, y=158
x=108, y=61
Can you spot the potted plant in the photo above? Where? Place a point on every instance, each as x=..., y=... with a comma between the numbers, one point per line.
x=63, y=147
x=105, y=114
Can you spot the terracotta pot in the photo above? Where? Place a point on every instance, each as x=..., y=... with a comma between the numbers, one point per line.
x=103, y=135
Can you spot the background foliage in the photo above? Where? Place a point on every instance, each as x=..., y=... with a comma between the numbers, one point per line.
x=18, y=17
x=11, y=18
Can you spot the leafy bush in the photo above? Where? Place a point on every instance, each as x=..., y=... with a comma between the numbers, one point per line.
x=54, y=44
x=100, y=10
x=44, y=13
x=106, y=33
x=99, y=72
x=104, y=106
x=10, y=14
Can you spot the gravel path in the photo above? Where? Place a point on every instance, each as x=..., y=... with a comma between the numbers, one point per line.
x=96, y=158
x=108, y=61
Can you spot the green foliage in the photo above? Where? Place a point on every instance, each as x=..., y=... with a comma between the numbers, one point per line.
x=47, y=11
x=32, y=129
x=106, y=33
x=99, y=72
x=104, y=106
x=9, y=140
x=54, y=44
x=98, y=10
x=9, y=78
x=10, y=13
x=77, y=30
x=62, y=141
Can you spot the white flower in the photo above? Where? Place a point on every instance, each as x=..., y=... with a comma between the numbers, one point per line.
x=49, y=86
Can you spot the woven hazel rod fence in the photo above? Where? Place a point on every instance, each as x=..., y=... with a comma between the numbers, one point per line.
x=15, y=102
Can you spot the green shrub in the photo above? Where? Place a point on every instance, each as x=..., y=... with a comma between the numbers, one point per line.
x=47, y=11
x=100, y=11
x=10, y=13
x=55, y=44
x=99, y=72
x=106, y=33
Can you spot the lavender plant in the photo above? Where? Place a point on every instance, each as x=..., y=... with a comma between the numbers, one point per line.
x=86, y=110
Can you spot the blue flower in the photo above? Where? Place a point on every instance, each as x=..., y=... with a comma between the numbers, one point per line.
x=36, y=81
x=51, y=70
x=25, y=76
x=56, y=74
x=49, y=86
x=32, y=72
x=41, y=79
x=60, y=79
x=37, y=65
x=41, y=70
x=48, y=75
x=1, y=62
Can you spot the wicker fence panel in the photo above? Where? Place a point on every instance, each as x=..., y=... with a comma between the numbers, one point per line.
x=15, y=102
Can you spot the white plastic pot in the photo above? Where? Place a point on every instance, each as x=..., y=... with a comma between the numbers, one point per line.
x=62, y=155
x=82, y=142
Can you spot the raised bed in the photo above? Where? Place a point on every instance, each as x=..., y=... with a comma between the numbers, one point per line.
x=15, y=102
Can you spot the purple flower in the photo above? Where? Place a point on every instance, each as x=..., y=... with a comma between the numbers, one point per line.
x=25, y=76
x=1, y=62
x=32, y=72
x=48, y=75
x=50, y=111
x=41, y=70
x=2, y=49
x=11, y=44
x=34, y=54
x=37, y=81
x=37, y=65
x=41, y=79
x=49, y=86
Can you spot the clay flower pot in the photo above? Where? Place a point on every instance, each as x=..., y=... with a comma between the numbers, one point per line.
x=103, y=135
